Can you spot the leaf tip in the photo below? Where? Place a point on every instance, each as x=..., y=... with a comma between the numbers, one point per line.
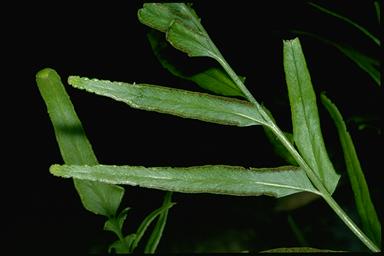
x=57, y=170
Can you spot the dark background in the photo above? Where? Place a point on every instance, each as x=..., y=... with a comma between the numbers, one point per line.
x=106, y=41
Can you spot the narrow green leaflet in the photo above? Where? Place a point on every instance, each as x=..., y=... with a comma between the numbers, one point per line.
x=157, y=231
x=347, y=20
x=216, y=179
x=305, y=118
x=187, y=104
x=277, y=146
x=129, y=243
x=366, y=63
x=213, y=79
x=115, y=224
x=74, y=146
x=147, y=221
x=370, y=222
x=181, y=25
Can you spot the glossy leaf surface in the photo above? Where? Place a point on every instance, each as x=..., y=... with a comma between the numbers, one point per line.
x=305, y=118
x=216, y=179
x=187, y=104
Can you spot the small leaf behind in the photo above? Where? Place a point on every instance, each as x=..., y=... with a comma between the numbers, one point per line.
x=157, y=231
x=370, y=222
x=187, y=104
x=347, y=20
x=75, y=148
x=215, y=179
x=115, y=224
x=305, y=118
x=213, y=79
x=147, y=221
x=366, y=63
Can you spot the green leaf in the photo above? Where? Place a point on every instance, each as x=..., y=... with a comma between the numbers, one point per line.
x=217, y=81
x=213, y=79
x=215, y=179
x=305, y=118
x=185, y=32
x=182, y=27
x=115, y=224
x=370, y=221
x=277, y=146
x=147, y=221
x=347, y=20
x=187, y=104
x=124, y=245
x=366, y=63
x=75, y=148
x=157, y=231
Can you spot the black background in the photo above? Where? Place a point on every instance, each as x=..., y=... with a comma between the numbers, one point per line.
x=106, y=41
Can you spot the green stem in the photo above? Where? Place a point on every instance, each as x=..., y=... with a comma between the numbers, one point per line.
x=295, y=154
x=323, y=191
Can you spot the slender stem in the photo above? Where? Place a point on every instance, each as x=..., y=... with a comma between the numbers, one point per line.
x=295, y=154
x=324, y=192
x=349, y=222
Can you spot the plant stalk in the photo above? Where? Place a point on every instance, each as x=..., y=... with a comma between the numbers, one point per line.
x=323, y=191
x=276, y=130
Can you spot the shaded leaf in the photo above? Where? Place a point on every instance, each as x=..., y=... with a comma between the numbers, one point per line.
x=217, y=81
x=187, y=104
x=277, y=146
x=157, y=231
x=365, y=62
x=305, y=118
x=147, y=221
x=215, y=179
x=347, y=20
x=213, y=79
x=370, y=221
x=115, y=224
x=123, y=245
x=74, y=146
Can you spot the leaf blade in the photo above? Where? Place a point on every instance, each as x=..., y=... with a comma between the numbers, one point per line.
x=157, y=231
x=213, y=79
x=216, y=179
x=305, y=120
x=347, y=20
x=74, y=146
x=370, y=221
x=366, y=63
x=187, y=104
x=147, y=221
x=181, y=25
